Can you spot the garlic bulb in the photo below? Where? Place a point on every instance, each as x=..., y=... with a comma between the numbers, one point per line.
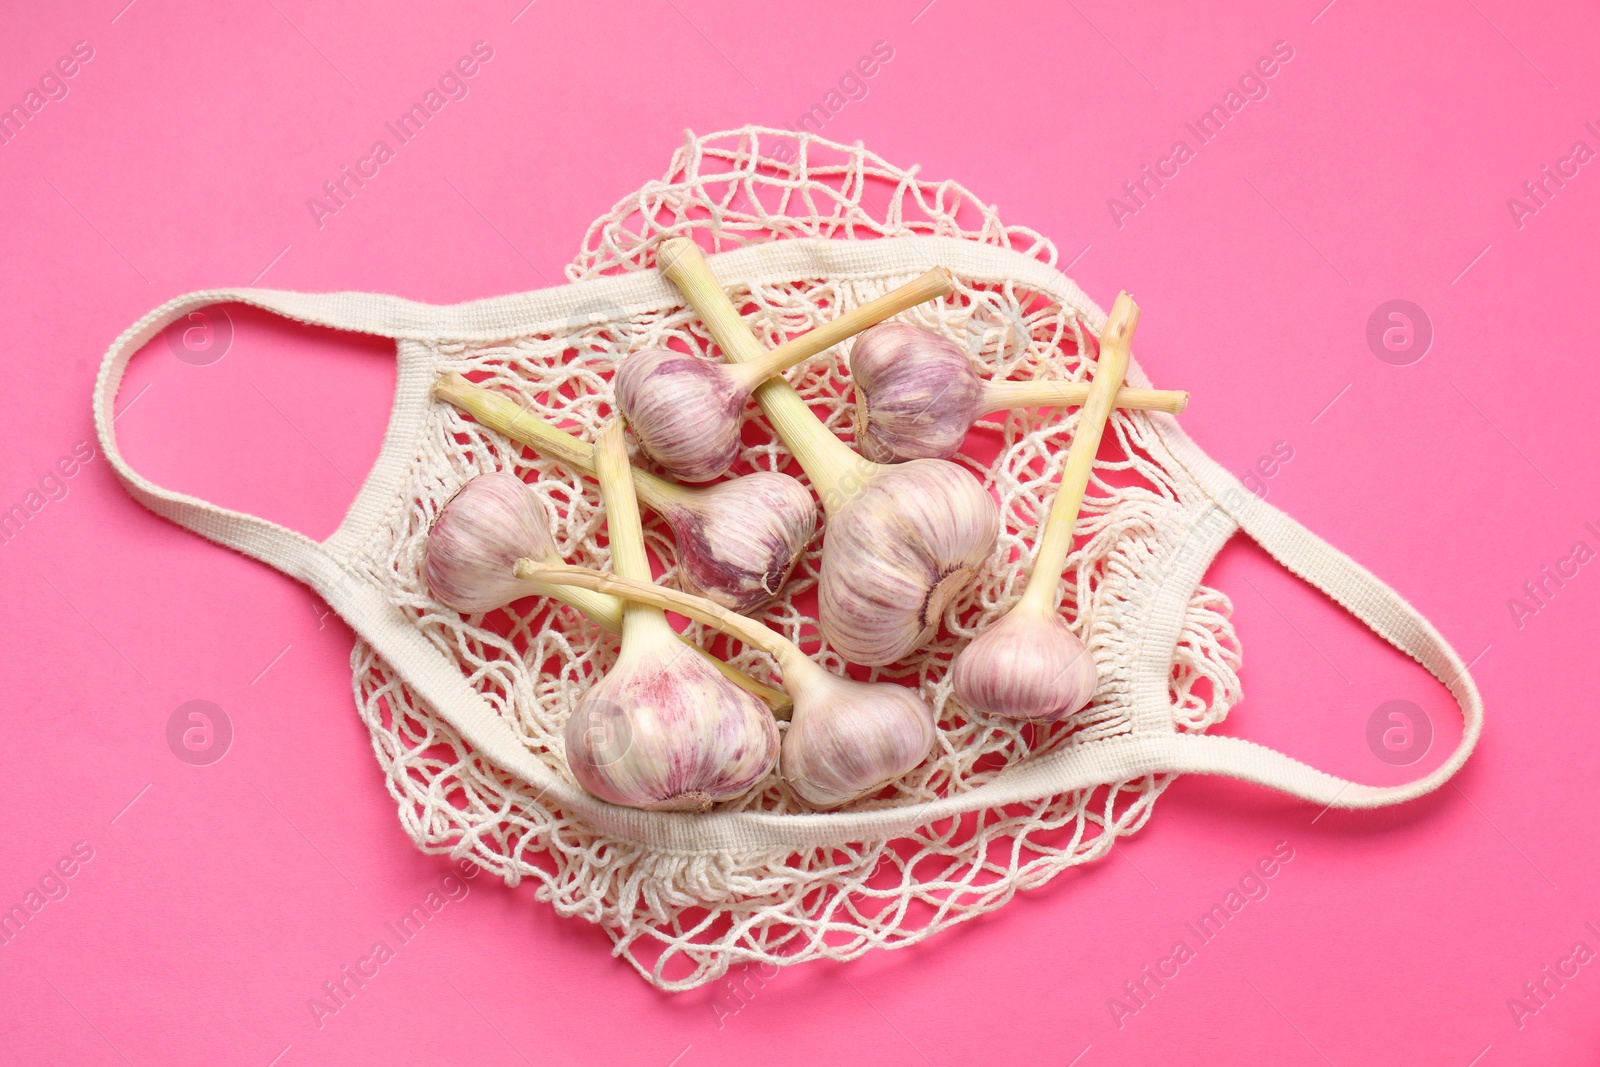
x=494, y=520
x=849, y=739
x=491, y=522
x=917, y=394
x=738, y=541
x=901, y=544
x=846, y=739
x=1029, y=664
x=902, y=541
x=662, y=730
x=686, y=411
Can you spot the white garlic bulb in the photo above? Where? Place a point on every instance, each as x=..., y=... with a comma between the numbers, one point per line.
x=662, y=730
x=849, y=739
x=846, y=739
x=917, y=394
x=496, y=519
x=686, y=411
x=491, y=522
x=901, y=542
x=1029, y=664
x=738, y=541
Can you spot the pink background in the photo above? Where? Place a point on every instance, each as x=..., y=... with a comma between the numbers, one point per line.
x=219, y=898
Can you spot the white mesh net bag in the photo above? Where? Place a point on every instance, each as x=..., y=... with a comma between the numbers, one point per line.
x=466, y=713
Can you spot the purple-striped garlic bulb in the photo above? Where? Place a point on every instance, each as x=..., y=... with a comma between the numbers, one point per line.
x=849, y=739
x=687, y=412
x=1027, y=665
x=491, y=522
x=902, y=542
x=739, y=540
x=664, y=731
x=917, y=394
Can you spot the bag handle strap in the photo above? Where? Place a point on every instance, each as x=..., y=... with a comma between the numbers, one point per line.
x=310, y=562
x=290, y=552
x=1359, y=592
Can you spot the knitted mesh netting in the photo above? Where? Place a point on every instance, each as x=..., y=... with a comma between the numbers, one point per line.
x=683, y=919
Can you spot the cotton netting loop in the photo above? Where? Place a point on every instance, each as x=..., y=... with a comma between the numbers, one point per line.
x=683, y=918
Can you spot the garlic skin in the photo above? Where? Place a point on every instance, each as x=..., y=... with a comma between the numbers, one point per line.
x=739, y=540
x=685, y=411
x=491, y=522
x=899, y=547
x=1027, y=665
x=916, y=393
x=663, y=731
x=848, y=739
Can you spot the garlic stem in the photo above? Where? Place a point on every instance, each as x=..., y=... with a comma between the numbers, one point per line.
x=560, y=579
x=1055, y=541
x=626, y=531
x=500, y=413
x=935, y=283
x=781, y=703
x=752, y=633
x=628, y=559
x=604, y=611
x=828, y=462
x=607, y=612
x=1004, y=395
